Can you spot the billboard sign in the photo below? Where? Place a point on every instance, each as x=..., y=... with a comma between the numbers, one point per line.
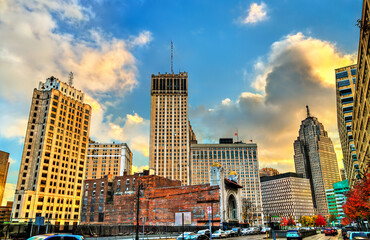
x=178, y=218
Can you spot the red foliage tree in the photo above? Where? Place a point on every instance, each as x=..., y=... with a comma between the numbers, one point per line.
x=345, y=221
x=291, y=222
x=284, y=222
x=357, y=205
x=320, y=221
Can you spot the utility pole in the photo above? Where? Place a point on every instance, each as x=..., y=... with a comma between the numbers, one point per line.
x=139, y=187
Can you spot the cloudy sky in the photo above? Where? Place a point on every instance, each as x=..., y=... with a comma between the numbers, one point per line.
x=253, y=66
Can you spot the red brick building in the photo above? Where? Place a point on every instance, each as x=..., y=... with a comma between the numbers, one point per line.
x=112, y=201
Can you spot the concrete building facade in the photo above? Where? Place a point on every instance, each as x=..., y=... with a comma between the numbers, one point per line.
x=345, y=91
x=108, y=158
x=54, y=155
x=361, y=107
x=233, y=157
x=170, y=130
x=4, y=168
x=336, y=198
x=315, y=159
x=285, y=195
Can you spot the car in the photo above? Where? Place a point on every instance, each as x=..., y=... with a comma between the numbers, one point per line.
x=196, y=236
x=256, y=230
x=359, y=235
x=230, y=233
x=205, y=232
x=244, y=231
x=183, y=236
x=293, y=234
x=57, y=237
x=237, y=231
x=329, y=232
x=347, y=229
x=263, y=230
x=219, y=234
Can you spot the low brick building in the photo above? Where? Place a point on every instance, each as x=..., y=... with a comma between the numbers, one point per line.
x=112, y=201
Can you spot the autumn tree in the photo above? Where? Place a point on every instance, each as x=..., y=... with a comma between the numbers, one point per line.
x=357, y=206
x=305, y=221
x=320, y=221
x=333, y=217
x=291, y=221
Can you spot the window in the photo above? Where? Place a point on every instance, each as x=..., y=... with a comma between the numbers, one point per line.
x=341, y=74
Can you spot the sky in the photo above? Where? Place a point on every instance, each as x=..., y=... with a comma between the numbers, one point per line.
x=253, y=66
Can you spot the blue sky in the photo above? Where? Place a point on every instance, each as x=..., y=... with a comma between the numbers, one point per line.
x=253, y=65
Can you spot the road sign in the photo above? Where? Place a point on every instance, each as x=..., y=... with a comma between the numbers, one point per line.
x=209, y=210
x=39, y=221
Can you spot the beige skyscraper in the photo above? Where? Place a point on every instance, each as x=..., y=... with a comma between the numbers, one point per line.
x=170, y=130
x=361, y=108
x=315, y=158
x=54, y=155
x=4, y=167
x=108, y=158
x=345, y=90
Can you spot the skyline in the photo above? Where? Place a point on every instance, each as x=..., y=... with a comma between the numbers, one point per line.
x=81, y=37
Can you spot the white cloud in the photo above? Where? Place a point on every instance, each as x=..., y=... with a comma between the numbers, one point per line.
x=137, y=169
x=11, y=161
x=298, y=71
x=256, y=13
x=32, y=48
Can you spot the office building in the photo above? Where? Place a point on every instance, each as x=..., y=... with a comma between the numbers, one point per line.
x=108, y=158
x=343, y=174
x=336, y=197
x=361, y=107
x=4, y=167
x=238, y=157
x=170, y=130
x=54, y=155
x=315, y=158
x=5, y=212
x=345, y=90
x=285, y=195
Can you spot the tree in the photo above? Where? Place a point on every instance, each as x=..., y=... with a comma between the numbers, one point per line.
x=357, y=206
x=333, y=217
x=290, y=221
x=305, y=221
x=284, y=222
x=320, y=221
x=313, y=220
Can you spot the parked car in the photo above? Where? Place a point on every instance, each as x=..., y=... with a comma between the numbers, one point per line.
x=293, y=234
x=256, y=230
x=181, y=237
x=196, y=236
x=230, y=233
x=219, y=234
x=245, y=231
x=359, y=235
x=56, y=237
x=345, y=231
x=205, y=232
x=263, y=230
x=237, y=231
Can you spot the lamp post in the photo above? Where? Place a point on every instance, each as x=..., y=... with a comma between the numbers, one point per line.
x=139, y=187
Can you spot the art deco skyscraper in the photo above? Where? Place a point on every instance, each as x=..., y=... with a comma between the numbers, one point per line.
x=4, y=167
x=170, y=130
x=54, y=155
x=345, y=89
x=361, y=107
x=315, y=158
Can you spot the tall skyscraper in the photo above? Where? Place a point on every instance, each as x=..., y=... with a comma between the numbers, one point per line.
x=54, y=155
x=345, y=89
x=238, y=157
x=315, y=158
x=4, y=167
x=108, y=158
x=170, y=130
x=361, y=109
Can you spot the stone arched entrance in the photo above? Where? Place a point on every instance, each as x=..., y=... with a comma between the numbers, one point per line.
x=232, y=208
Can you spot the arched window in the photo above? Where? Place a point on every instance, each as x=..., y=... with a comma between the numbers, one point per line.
x=232, y=208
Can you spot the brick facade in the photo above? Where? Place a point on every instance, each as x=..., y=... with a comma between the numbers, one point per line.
x=115, y=201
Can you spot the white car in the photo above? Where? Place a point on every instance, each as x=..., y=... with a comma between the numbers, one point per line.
x=182, y=237
x=219, y=234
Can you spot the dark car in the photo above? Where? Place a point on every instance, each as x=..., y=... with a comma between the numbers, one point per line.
x=329, y=232
x=237, y=231
x=347, y=229
x=205, y=232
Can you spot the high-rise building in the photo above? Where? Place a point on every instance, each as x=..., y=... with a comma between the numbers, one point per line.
x=315, y=158
x=343, y=174
x=54, y=155
x=108, y=158
x=361, y=107
x=4, y=167
x=345, y=89
x=170, y=130
x=238, y=157
x=336, y=197
x=285, y=195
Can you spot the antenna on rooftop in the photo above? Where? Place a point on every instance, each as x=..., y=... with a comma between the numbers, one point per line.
x=171, y=56
x=308, y=111
x=70, y=81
